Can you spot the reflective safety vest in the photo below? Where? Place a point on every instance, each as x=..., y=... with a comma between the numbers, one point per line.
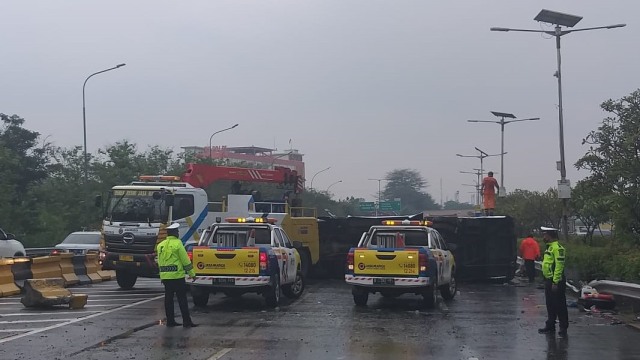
x=553, y=262
x=173, y=261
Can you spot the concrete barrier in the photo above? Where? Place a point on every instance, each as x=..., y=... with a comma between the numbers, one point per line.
x=45, y=267
x=21, y=270
x=50, y=292
x=80, y=270
x=91, y=264
x=7, y=283
x=104, y=274
x=66, y=268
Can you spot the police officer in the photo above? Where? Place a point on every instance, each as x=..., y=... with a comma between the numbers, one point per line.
x=174, y=263
x=554, y=283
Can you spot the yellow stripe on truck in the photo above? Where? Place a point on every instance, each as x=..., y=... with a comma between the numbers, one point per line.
x=196, y=234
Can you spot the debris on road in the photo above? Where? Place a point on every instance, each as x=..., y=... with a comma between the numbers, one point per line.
x=50, y=292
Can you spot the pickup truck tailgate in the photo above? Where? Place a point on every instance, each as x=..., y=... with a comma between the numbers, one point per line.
x=386, y=262
x=226, y=261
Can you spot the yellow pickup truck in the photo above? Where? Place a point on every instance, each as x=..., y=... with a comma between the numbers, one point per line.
x=398, y=257
x=245, y=255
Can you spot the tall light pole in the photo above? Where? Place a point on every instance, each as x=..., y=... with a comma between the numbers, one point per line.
x=314, y=176
x=329, y=187
x=84, y=119
x=481, y=157
x=379, y=192
x=560, y=19
x=502, y=123
x=217, y=132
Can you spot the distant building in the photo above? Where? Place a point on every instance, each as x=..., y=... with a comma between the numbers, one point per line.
x=251, y=155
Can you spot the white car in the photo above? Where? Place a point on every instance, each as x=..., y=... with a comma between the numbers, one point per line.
x=9, y=246
x=79, y=242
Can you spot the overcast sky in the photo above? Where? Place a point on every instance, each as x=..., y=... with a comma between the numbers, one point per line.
x=362, y=86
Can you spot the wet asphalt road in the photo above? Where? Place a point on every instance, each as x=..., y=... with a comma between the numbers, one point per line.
x=484, y=321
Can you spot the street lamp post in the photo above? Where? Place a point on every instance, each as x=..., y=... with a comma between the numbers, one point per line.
x=329, y=187
x=84, y=119
x=481, y=157
x=502, y=123
x=314, y=176
x=568, y=21
x=217, y=132
x=379, y=193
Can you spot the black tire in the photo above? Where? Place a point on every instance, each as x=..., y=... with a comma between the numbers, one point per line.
x=126, y=280
x=360, y=296
x=272, y=295
x=430, y=296
x=18, y=254
x=305, y=262
x=449, y=290
x=295, y=289
x=200, y=296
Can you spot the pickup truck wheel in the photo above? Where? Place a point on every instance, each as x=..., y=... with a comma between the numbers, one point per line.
x=294, y=290
x=449, y=291
x=360, y=296
x=200, y=296
x=430, y=296
x=126, y=280
x=305, y=262
x=272, y=295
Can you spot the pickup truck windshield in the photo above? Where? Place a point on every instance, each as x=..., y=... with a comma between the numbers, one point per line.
x=241, y=236
x=399, y=239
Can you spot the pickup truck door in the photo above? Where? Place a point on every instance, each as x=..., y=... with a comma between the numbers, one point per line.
x=438, y=254
x=446, y=259
x=289, y=264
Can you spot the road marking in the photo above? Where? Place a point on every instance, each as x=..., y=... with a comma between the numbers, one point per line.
x=126, y=300
x=14, y=330
x=37, y=331
x=220, y=354
x=46, y=313
x=10, y=303
x=33, y=321
x=116, y=295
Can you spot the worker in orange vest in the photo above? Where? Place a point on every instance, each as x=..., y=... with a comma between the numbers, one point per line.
x=489, y=188
x=530, y=252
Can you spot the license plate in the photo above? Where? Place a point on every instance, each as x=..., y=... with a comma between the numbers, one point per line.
x=224, y=281
x=389, y=281
x=125, y=257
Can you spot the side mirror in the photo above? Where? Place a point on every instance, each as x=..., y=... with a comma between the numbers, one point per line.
x=10, y=236
x=157, y=195
x=98, y=201
x=297, y=244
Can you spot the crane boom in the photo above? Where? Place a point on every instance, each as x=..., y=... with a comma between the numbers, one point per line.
x=203, y=175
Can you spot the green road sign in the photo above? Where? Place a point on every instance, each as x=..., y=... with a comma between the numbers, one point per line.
x=390, y=206
x=367, y=206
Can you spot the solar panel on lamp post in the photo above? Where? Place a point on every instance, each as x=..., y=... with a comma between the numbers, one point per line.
x=559, y=20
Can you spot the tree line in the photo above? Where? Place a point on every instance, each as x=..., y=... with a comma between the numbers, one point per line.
x=45, y=195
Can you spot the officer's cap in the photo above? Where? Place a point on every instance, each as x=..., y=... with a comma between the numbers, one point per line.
x=548, y=229
x=173, y=226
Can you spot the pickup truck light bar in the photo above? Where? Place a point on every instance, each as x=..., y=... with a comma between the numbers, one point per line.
x=251, y=220
x=407, y=222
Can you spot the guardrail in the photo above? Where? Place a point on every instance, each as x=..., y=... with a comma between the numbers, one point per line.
x=616, y=288
x=32, y=252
